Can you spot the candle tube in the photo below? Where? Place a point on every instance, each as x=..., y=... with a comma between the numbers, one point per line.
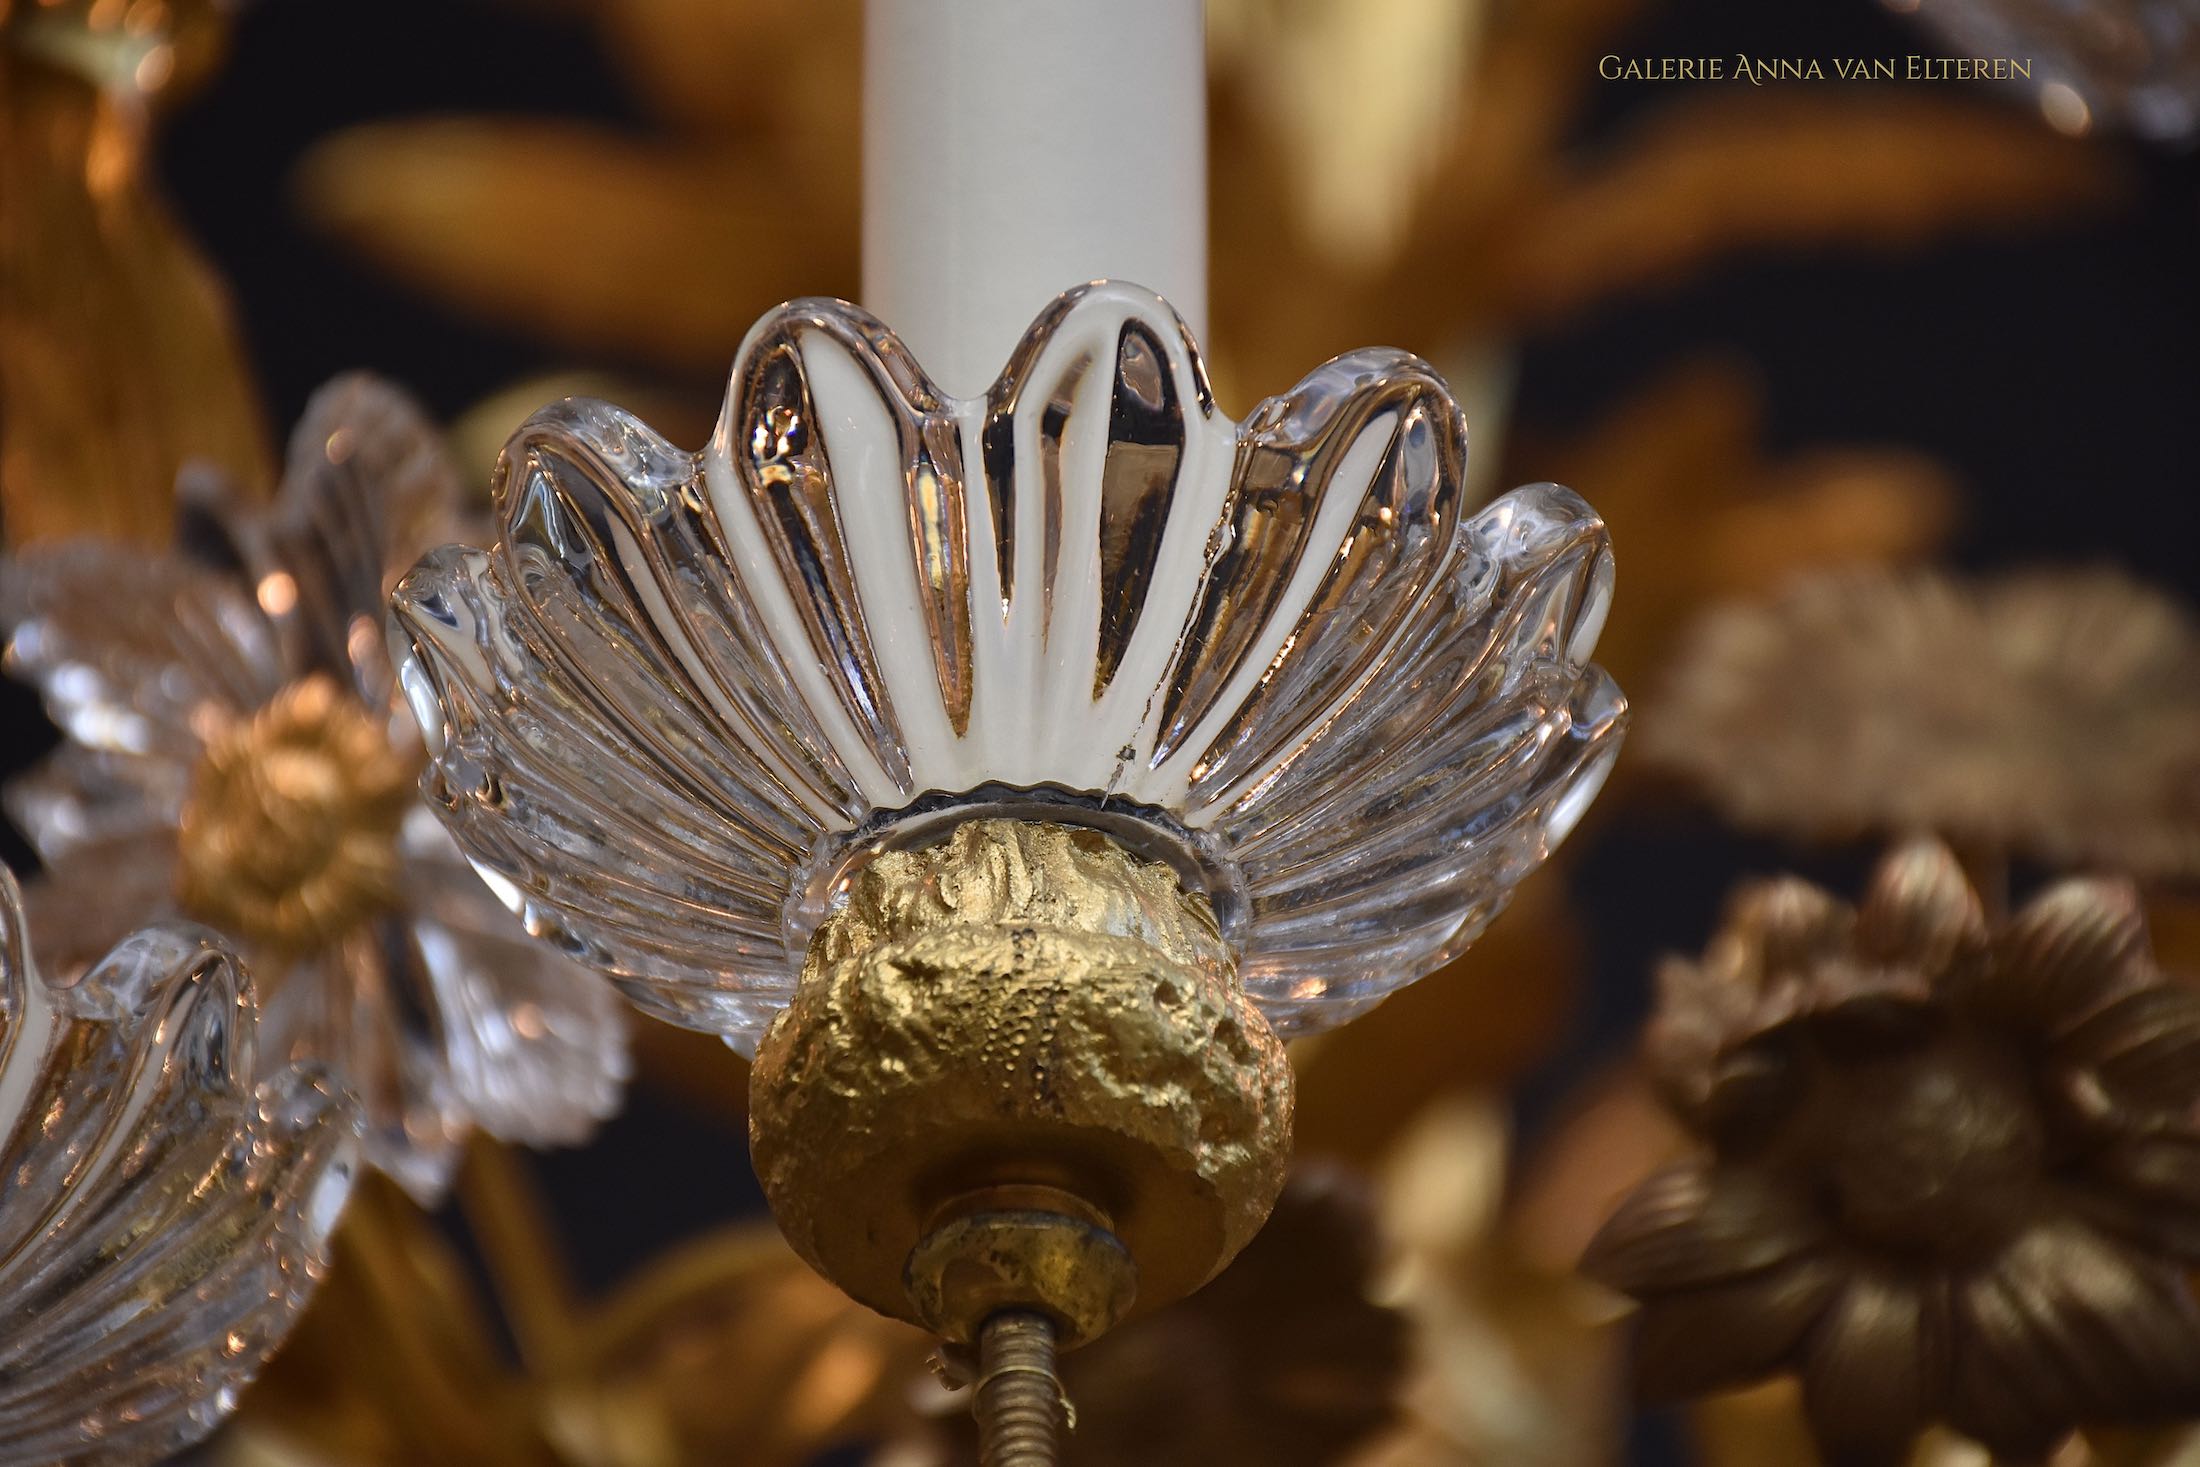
x=1014, y=148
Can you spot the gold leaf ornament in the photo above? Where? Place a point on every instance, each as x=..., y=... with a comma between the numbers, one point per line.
x=120, y=359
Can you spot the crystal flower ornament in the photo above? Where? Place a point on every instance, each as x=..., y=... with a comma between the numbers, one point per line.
x=1027, y=763
x=166, y=1211
x=237, y=755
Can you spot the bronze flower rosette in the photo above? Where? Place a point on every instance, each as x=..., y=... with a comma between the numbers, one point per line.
x=1950, y=1170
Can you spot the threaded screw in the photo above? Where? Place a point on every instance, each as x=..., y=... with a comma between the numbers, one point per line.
x=1019, y=1402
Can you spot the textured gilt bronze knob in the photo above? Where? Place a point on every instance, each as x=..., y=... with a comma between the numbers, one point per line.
x=1021, y=1053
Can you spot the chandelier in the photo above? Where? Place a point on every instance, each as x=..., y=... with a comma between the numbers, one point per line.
x=1053, y=783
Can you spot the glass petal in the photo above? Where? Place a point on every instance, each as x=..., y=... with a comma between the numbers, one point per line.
x=357, y=1006
x=366, y=486
x=134, y=652
x=535, y=1046
x=81, y=798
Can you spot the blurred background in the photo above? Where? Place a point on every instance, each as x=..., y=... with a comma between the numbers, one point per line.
x=1769, y=330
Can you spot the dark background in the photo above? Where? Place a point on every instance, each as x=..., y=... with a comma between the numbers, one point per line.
x=2055, y=369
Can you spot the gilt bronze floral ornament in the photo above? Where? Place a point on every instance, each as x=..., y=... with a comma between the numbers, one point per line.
x=1950, y=1169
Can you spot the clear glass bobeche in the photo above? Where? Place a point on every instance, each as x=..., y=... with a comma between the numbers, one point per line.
x=686, y=693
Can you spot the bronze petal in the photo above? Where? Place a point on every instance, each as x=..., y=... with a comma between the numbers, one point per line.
x=2154, y=1199
x=2071, y=1328
x=1873, y=1370
x=1694, y=1224
x=1796, y=923
x=2144, y=1047
x=2072, y=946
x=1727, y=1334
x=1920, y=909
x=1702, y=1008
x=1753, y=1091
x=1853, y=1012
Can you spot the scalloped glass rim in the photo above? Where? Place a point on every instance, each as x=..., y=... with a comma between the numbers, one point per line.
x=165, y=1217
x=682, y=685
